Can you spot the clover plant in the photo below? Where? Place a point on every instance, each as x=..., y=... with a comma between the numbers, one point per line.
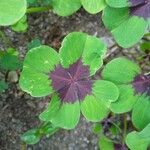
x=127, y=20
x=67, y=78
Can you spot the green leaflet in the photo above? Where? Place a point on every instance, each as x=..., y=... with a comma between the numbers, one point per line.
x=105, y=143
x=122, y=72
x=93, y=6
x=94, y=109
x=52, y=109
x=65, y=7
x=67, y=116
x=141, y=110
x=80, y=45
x=61, y=115
x=117, y=4
x=34, y=78
x=135, y=24
x=139, y=140
x=126, y=100
x=21, y=25
x=117, y=17
x=31, y=136
x=106, y=91
x=11, y=11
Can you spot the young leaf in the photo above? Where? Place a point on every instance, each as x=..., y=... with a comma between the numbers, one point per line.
x=105, y=143
x=34, y=43
x=139, y=140
x=93, y=6
x=11, y=11
x=31, y=136
x=65, y=7
x=21, y=25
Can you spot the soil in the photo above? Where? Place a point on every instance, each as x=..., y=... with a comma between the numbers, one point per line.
x=19, y=111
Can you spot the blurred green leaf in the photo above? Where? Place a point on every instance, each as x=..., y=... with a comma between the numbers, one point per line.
x=21, y=25
x=3, y=86
x=34, y=43
x=139, y=140
x=145, y=47
x=9, y=61
x=31, y=136
x=105, y=143
x=97, y=128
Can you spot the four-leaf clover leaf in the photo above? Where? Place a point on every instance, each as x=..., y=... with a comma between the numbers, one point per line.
x=128, y=20
x=68, y=78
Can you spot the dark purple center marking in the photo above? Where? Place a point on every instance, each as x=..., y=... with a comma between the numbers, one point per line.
x=140, y=8
x=141, y=84
x=72, y=84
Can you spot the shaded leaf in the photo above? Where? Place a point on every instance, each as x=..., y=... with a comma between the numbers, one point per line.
x=3, y=86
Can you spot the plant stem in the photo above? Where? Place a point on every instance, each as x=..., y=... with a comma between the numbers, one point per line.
x=37, y=9
x=124, y=128
x=6, y=40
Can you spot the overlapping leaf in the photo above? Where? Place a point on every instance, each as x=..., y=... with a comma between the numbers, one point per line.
x=11, y=11
x=122, y=72
x=139, y=140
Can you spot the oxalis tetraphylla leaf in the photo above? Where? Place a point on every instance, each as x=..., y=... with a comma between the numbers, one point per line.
x=134, y=90
x=67, y=76
x=129, y=20
x=68, y=7
x=139, y=140
x=11, y=11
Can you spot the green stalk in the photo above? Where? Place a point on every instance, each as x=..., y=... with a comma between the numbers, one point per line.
x=37, y=9
x=124, y=128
